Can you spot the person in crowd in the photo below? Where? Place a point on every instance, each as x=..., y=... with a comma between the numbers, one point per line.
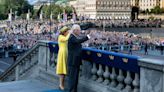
x=161, y=48
x=130, y=48
x=15, y=56
x=74, y=57
x=61, y=69
x=146, y=49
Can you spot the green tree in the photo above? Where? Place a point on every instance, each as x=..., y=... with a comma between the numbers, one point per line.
x=68, y=9
x=55, y=10
x=21, y=6
x=157, y=10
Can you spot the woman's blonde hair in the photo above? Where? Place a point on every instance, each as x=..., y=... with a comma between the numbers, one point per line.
x=64, y=29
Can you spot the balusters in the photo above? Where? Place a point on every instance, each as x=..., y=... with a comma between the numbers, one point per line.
x=24, y=67
x=17, y=73
x=30, y=61
x=106, y=75
x=128, y=81
x=120, y=79
x=103, y=48
x=55, y=60
x=21, y=68
x=136, y=83
x=94, y=71
x=100, y=73
x=113, y=77
x=27, y=64
x=52, y=59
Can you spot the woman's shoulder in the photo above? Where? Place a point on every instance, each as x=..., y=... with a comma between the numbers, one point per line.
x=61, y=36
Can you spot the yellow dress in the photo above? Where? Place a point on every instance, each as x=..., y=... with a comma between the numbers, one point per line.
x=62, y=54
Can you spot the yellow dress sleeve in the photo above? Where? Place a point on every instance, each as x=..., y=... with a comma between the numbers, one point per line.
x=63, y=38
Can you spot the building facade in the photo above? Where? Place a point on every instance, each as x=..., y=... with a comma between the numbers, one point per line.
x=148, y=4
x=162, y=3
x=103, y=9
x=134, y=2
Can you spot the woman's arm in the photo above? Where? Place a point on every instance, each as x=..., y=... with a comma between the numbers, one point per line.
x=64, y=38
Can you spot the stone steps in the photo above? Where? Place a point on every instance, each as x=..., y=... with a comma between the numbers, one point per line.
x=4, y=64
x=33, y=85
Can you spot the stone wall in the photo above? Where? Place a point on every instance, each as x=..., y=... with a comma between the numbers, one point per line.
x=151, y=75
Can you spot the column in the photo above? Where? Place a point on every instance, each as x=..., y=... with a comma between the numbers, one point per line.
x=151, y=75
x=10, y=15
x=41, y=15
x=51, y=16
x=28, y=15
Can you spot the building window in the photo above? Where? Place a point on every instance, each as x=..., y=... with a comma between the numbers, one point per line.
x=107, y=2
x=111, y=3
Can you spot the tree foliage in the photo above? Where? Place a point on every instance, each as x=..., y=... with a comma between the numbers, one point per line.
x=55, y=10
x=21, y=6
x=155, y=10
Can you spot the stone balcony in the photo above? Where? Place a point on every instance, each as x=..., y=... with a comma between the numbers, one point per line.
x=102, y=71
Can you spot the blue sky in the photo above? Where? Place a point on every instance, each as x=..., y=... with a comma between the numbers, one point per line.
x=32, y=1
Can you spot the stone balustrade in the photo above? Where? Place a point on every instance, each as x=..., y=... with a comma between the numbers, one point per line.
x=102, y=71
x=109, y=76
x=22, y=66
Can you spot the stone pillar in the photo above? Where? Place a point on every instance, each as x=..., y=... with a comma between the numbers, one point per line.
x=16, y=15
x=151, y=75
x=86, y=69
x=41, y=15
x=44, y=54
x=10, y=15
x=17, y=73
x=28, y=15
x=51, y=16
x=136, y=16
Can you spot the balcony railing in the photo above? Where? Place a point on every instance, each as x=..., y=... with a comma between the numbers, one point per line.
x=101, y=71
x=111, y=69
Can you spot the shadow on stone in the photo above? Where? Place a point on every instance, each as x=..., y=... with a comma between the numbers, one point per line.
x=54, y=90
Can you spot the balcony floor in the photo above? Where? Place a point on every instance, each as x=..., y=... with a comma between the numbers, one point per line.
x=25, y=86
x=33, y=85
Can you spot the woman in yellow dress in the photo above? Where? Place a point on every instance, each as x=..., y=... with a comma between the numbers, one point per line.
x=61, y=69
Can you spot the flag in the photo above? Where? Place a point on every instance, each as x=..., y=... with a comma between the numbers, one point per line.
x=64, y=16
x=74, y=16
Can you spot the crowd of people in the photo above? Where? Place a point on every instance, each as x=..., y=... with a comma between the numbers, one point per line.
x=107, y=39
x=128, y=23
x=23, y=34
